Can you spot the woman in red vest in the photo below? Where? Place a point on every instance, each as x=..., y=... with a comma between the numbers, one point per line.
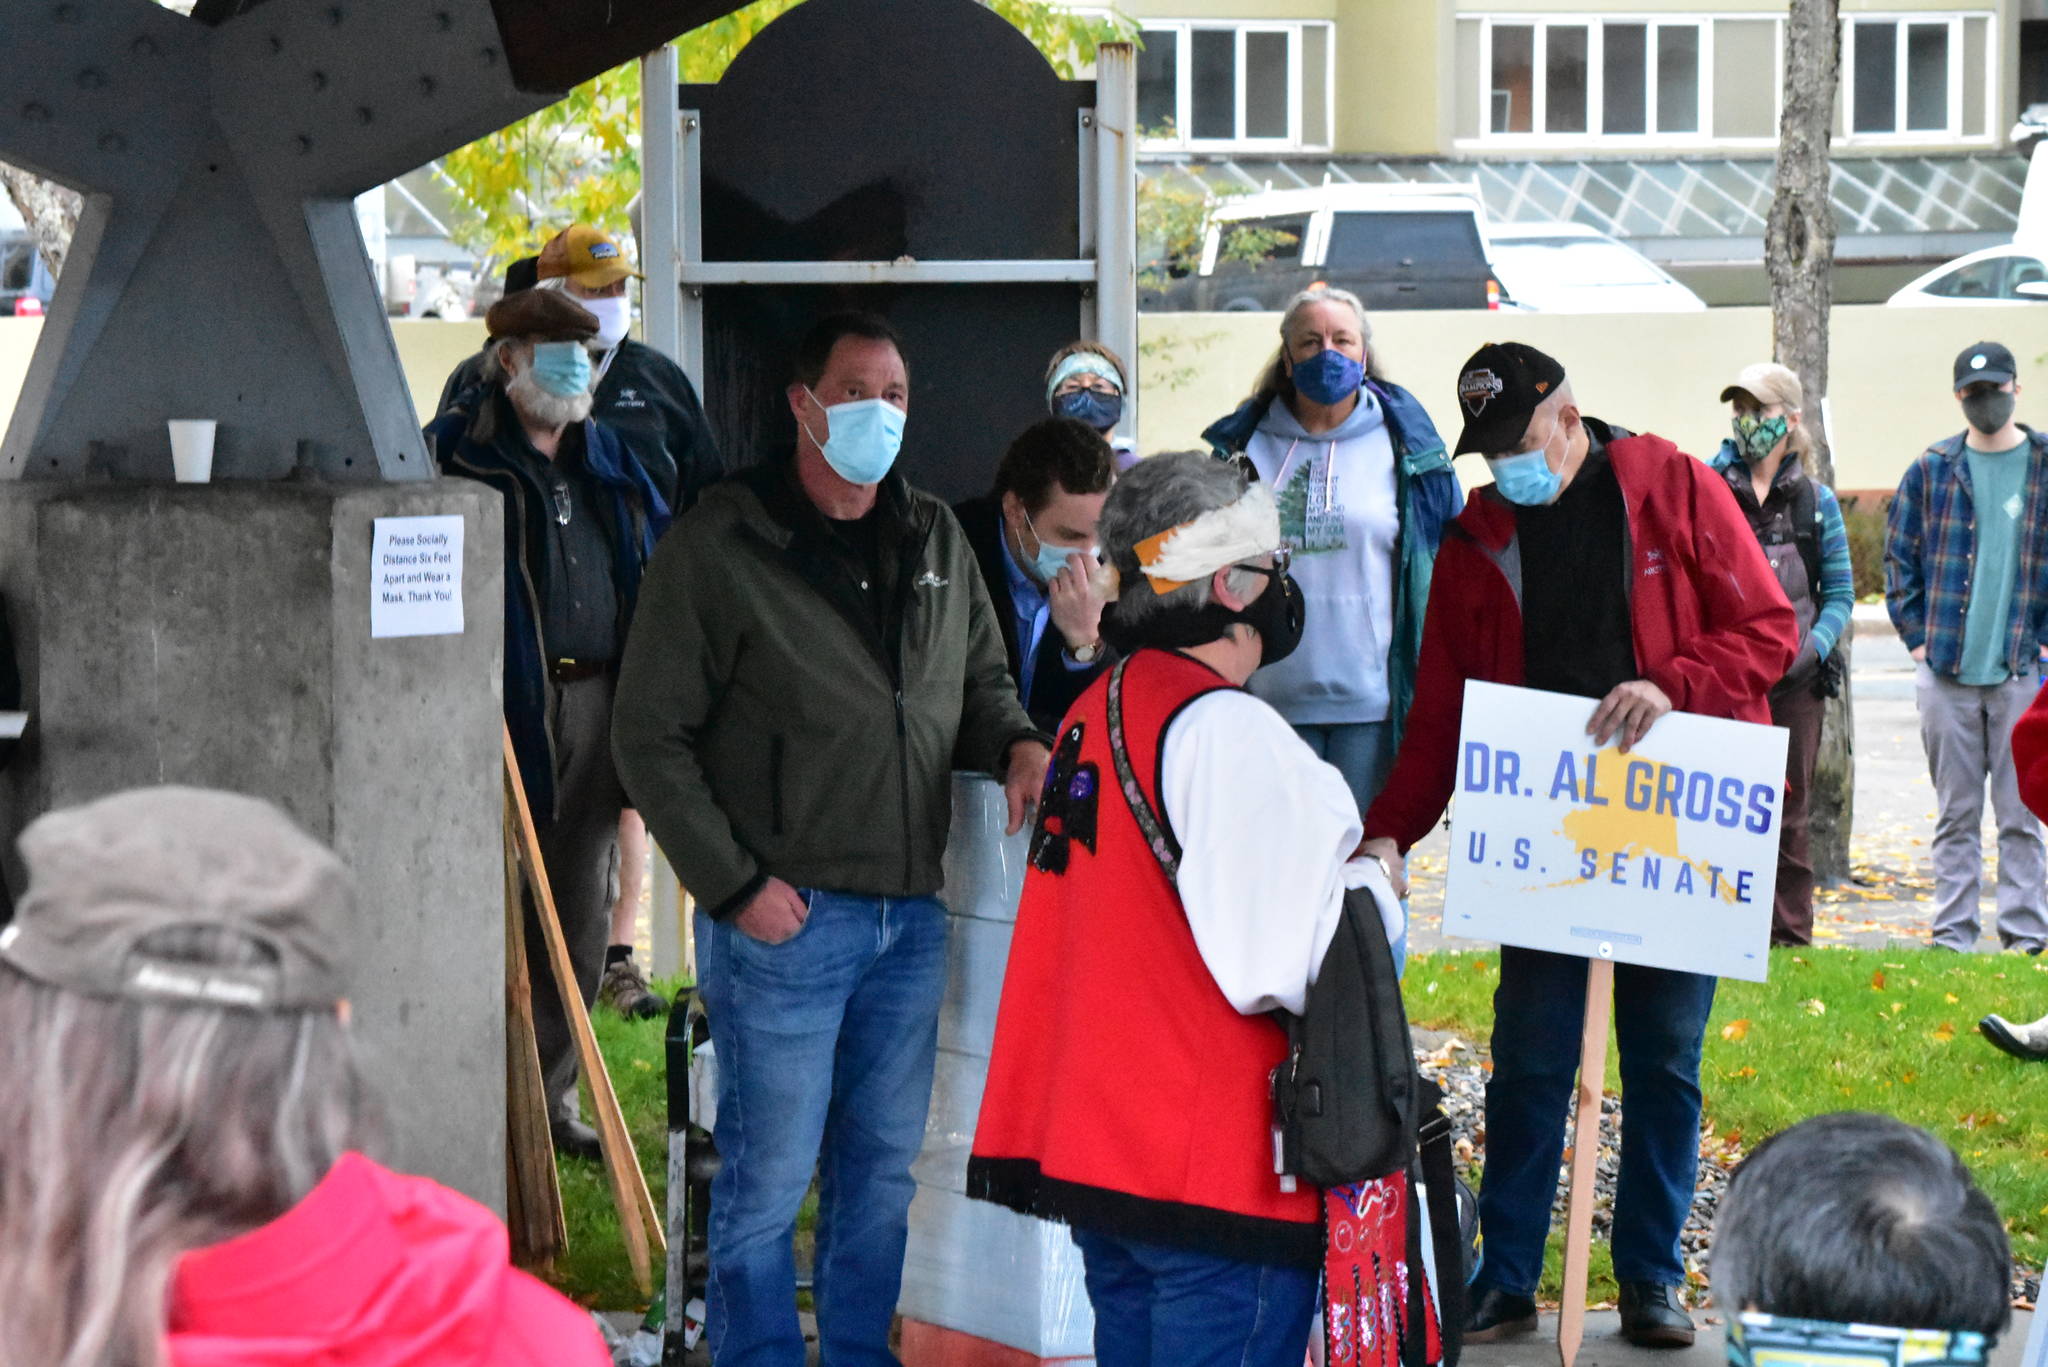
x=1127, y=1092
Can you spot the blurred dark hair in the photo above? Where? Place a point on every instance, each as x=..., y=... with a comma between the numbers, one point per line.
x=1057, y=451
x=814, y=353
x=1860, y=1218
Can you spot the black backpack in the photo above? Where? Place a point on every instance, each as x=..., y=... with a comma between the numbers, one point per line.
x=1350, y=1103
x=1346, y=1095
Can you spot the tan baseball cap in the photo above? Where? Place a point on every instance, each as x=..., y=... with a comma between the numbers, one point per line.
x=107, y=877
x=585, y=255
x=1767, y=382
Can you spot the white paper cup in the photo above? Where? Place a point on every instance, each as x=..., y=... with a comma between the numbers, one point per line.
x=192, y=449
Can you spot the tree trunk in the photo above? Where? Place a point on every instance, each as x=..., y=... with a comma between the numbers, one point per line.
x=1799, y=250
x=50, y=210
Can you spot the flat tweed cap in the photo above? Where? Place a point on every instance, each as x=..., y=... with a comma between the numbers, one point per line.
x=107, y=876
x=541, y=315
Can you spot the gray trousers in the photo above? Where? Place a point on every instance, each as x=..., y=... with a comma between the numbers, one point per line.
x=579, y=848
x=1967, y=730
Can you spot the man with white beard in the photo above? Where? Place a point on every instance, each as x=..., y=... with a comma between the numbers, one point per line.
x=581, y=518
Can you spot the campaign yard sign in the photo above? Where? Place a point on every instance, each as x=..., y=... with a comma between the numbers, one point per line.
x=1665, y=856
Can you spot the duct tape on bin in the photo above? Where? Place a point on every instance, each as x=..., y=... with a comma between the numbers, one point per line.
x=973, y=1267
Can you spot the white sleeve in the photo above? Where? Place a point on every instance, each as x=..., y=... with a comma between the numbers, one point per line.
x=1265, y=830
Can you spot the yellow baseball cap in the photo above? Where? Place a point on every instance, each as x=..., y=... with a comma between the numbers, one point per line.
x=585, y=255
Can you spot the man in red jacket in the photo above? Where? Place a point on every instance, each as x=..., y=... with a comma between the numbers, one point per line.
x=2026, y=1039
x=1615, y=567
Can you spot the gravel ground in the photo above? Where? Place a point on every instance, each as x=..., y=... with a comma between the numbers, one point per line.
x=1458, y=1068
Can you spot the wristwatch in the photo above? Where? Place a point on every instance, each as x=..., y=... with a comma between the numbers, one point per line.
x=1085, y=655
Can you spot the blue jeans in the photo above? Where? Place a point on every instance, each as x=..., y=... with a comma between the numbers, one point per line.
x=1538, y=1019
x=1168, y=1307
x=1364, y=753
x=825, y=1044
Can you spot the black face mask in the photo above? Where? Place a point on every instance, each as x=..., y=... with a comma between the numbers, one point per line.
x=1988, y=410
x=1278, y=615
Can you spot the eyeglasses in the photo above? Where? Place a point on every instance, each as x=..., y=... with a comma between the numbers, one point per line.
x=1283, y=559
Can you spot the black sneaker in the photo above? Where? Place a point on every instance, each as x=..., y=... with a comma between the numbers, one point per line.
x=574, y=1139
x=1653, y=1316
x=1496, y=1316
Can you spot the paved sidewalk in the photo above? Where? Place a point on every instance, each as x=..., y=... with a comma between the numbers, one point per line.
x=1891, y=899
x=1603, y=1346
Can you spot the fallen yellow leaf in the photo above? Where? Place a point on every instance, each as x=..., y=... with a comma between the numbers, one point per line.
x=1943, y=1033
x=1736, y=1030
x=1898, y=1007
x=1815, y=1007
x=1877, y=981
x=1950, y=997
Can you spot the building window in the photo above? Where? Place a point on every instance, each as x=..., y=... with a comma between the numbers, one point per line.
x=1235, y=85
x=1903, y=76
x=1579, y=78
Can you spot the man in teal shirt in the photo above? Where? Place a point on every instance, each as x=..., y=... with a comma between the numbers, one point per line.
x=1966, y=581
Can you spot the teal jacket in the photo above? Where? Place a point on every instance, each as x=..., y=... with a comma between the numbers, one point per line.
x=1427, y=491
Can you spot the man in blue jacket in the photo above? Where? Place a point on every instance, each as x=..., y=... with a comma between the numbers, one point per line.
x=581, y=519
x=1966, y=582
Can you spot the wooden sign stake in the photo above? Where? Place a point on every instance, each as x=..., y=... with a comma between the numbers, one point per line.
x=638, y=1220
x=1578, y=1220
x=533, y=1189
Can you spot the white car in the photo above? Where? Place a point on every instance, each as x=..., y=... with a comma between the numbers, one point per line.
x=1571, y=268
x=1995, y=275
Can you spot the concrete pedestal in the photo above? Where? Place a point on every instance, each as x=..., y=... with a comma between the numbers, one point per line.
x=982, y=1286
x=220, y=635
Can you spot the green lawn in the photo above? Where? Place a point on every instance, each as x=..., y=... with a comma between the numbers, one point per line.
x=594, y=1271
x=1847, y=1029
x=1835, y=1029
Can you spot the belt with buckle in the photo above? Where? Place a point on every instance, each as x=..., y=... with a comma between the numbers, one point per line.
x=570, y=671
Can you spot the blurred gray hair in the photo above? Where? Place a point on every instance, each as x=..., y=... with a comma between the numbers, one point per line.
x=1273, y=381
x=1159, y=492
x=1865, y=1219
x=494, y=357
x=134, y=1132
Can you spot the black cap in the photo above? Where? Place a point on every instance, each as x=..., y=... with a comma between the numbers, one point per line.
x=1985, y=363
x=522, y=274
x=1498, y=389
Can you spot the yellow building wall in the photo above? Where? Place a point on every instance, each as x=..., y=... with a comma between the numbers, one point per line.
x=1660, y=373
x=1393, y=77
x=428, y=349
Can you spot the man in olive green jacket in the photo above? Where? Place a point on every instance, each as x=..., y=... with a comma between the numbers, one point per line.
x=813, y=654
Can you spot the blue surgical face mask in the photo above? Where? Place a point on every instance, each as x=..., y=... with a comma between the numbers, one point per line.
x=1050, y=559
x=1328, y=377
x=1526, y=477
x=1100, y=411
x=561, y=368
x=861, y=438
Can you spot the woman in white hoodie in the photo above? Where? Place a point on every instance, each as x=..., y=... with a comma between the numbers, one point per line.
x=1365, y=488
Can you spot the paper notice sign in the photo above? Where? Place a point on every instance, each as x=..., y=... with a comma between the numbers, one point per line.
x=416, y=576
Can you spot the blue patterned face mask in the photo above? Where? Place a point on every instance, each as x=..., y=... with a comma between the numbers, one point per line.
x=562, y=368
x=1756, y=1340
x=1329, y=377
x=1100, y=411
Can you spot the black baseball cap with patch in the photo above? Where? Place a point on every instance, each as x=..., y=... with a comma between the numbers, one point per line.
x=1498, y=389
x=1985, y=363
